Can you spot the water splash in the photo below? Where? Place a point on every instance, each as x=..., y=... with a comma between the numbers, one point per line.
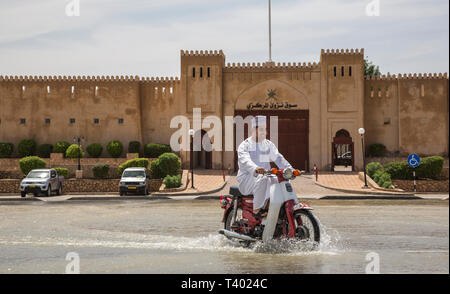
x=330, y=243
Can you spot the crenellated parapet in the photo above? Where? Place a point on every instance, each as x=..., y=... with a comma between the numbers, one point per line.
x=270, y=67
x=88, y=79
x=330, y=52
x=410, y=76
x=202, y=53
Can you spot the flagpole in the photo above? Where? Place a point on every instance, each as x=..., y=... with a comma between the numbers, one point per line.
x=270, y=33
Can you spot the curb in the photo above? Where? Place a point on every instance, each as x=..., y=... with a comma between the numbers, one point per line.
x=193, y=193
x=375, y=197
x=119, y=198
x=364, y=192
x=19, y=199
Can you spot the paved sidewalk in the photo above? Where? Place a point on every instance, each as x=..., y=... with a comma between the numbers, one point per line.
x=350, y=183
x=205, y=181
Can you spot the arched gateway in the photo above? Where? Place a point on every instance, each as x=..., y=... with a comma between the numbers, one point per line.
x=274, y=98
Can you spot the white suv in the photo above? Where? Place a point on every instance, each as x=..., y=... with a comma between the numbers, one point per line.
x=134, y=180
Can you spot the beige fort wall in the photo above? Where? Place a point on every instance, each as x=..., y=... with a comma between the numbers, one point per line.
x=102, y=98
x=408, y=113
x=411, y=116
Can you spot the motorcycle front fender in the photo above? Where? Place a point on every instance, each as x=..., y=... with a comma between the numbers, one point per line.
x=228, y=209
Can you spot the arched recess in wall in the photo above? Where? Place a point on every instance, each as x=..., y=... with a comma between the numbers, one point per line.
x=203, y=157
x=343, y=150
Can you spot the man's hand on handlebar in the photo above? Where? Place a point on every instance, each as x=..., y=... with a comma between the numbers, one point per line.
x=260, y=170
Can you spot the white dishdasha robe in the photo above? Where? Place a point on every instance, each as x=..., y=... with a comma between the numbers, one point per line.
x=250, y=156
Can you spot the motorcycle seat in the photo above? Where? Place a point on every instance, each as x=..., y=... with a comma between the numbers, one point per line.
x=234, y=191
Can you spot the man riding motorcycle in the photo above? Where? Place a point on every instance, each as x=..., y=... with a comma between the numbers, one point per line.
x=254, y=156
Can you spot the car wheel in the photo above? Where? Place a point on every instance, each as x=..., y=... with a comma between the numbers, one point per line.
x=59, y=192
x=23, y=194
x=49, y=191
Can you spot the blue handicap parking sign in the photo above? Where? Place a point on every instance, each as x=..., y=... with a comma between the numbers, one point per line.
x=413, y=160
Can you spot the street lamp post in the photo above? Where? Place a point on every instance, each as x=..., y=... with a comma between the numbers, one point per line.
x=78, y=141
x=361, y=131
x=191, y=134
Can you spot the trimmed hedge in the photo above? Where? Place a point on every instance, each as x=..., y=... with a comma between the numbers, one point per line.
x=61, y=147
x=100, y=171
x=44, y=150
x=377, y=150
x=385, y=181
x=172, y=181
x=153, y=150
x=62, y=171
x=169, y=164
x=6, y=150
x=94, y=150
x=137, y=162
x=134, y=147
x=429, y=168
x=155, y=172
x=27, y=147
x=29, y=163
x=372, y=167
x=115, y=148
x=74, y=151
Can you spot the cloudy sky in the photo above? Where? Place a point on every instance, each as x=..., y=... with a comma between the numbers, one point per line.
x=144, y=37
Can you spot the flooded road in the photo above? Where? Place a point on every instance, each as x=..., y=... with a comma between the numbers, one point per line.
x=167, y=236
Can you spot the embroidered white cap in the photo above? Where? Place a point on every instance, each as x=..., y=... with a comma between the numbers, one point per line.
x=259, y=121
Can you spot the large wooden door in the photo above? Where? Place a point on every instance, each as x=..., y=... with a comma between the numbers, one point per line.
x=293, y=134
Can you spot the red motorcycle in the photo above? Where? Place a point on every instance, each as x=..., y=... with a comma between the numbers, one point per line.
x=286, y=218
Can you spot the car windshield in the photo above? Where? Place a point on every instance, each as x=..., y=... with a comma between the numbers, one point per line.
x=133, y=174
x=38, y=174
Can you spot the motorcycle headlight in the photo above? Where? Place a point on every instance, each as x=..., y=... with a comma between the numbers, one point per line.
x=288, y=173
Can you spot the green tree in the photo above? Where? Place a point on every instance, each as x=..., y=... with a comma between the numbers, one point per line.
x=370, y=69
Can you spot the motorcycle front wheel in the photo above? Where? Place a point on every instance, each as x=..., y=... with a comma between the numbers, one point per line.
x=307, y=226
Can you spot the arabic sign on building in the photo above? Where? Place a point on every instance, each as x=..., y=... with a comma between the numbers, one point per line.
x=271, y=103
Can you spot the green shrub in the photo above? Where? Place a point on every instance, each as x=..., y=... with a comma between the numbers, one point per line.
x=61, y=147
x=62, y=171
x=377, y=150
x=29, y=163
x=153, y=150
x=44, y=150
x=155, y=172
x=134, y=147
x=430, y=167
x=94, y=150
x=100, y=171
x=399, y=170
x=6, y=150
x=27, y=147
x=169, y=164
x=387, y=184
x=172, y=181
x=74, y=151
x=377, y=175
x=372, y=167
x=137, y=162
x=115, y=148
x=384, y=178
